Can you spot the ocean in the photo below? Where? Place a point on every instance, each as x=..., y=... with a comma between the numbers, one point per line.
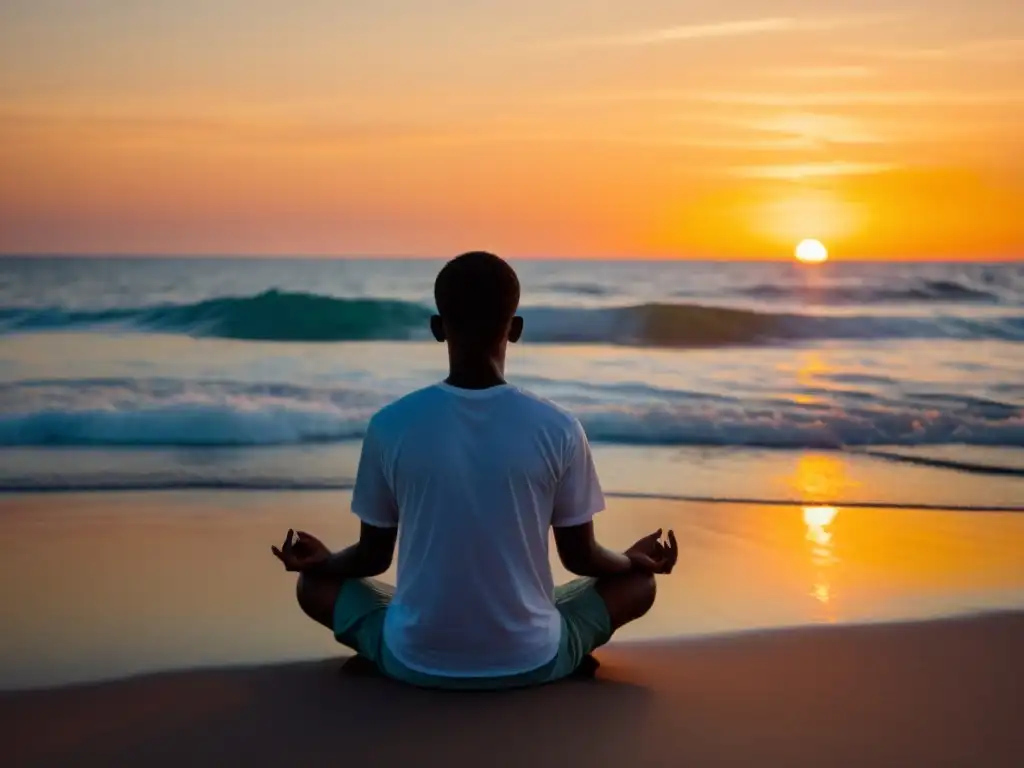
x=149, y=373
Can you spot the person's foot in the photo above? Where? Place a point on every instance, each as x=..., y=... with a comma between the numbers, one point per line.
x=587, y=669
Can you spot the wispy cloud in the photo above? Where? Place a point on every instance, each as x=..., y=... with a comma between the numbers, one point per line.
x=800, y=171
x=721, y=29
x=821, y=73
x=783, y=144
x=812, y=129
x=811, y=99
x=1008, y=49
x=855, y=98
x=207, y=130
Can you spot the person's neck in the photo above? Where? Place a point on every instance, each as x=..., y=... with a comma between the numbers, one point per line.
x=476, y=372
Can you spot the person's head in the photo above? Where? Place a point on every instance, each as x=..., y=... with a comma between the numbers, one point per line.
x=477, y=295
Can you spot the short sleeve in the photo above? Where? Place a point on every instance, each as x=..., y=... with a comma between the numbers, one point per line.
x=373, y=499
x=579, y=496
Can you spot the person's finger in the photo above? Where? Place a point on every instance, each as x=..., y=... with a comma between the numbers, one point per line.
x=671, y=551
x=647, y=542
x=288, y=540
x=285, y=559
x=309, y=541
x=652, y=537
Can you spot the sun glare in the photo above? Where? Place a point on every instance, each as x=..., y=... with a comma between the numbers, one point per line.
x=811, y=252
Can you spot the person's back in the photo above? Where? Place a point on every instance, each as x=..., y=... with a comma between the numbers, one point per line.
x=474, y=473
x=479, y=477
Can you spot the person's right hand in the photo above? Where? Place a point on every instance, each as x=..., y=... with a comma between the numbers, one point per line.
x=306, y=552
x=649, y=555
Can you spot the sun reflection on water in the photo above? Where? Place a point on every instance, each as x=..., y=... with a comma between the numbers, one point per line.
x=820, y=477
x=818, y=520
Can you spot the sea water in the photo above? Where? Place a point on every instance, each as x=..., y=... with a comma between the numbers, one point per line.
x=166, y=373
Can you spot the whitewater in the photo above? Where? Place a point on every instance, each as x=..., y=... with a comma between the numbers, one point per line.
x=209, y=358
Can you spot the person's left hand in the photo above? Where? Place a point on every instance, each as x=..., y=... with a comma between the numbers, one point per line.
x=651, y=556
x=306, y=552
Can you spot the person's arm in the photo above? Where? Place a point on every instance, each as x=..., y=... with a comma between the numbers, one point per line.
x=581, y=554
x=370, y=556
x=577, y=499
x=374, y=503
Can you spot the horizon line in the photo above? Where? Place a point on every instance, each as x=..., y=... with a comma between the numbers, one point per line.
x=127, y=255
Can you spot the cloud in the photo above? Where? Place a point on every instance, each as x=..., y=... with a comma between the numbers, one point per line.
x=821, y=73
x=722, y=29
x=805, y=100
x=816, y=129
x=1008, y=49
x=800, y=171
x=784, y=144
x=855, y=98
x=204, y=130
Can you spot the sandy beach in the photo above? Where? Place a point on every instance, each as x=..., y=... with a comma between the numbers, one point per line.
x=788, y=636
x=940, y=693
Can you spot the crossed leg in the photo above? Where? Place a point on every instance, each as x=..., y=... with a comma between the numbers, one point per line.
x=627, y=597
x=317, y=596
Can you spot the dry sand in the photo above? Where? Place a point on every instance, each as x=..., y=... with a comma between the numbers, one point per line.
x=937, y=693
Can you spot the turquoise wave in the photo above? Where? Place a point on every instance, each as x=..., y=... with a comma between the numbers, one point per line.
x=305, y=317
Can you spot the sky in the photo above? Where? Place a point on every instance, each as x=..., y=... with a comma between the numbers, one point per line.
x=559, y=128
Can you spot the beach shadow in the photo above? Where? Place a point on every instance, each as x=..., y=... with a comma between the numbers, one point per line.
x=328, y=712
x=931, y=693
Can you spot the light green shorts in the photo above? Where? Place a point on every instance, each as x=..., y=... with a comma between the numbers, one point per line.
x=359, y=624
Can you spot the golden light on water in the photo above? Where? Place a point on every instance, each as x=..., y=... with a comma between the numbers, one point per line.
x=818, y=520
x=811, y=251
x=820, y=478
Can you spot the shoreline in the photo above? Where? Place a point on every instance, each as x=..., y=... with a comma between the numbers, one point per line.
x=228, y=487
x=968, y=480
x=909, y=693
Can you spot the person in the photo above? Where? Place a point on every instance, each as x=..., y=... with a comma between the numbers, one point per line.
x=473, y=472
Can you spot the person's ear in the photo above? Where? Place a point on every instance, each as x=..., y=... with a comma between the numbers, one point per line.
x=515, y=330
x=437, y=327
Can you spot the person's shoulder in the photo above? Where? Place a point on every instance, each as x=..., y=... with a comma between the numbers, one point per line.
x=543, y=409
x=397, y=413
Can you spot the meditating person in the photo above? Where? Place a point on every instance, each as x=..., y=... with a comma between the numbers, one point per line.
x=469, y=475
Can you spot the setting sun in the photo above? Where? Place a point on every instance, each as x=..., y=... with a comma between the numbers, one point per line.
x=811, y=252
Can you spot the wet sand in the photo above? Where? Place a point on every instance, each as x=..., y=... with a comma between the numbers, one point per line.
x=105, y=586
x=96, y=586
x=927, y=694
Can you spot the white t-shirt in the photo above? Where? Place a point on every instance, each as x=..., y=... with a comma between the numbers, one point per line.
x=474, y=480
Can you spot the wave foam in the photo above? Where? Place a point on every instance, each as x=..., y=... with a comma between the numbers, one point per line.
x=178, y=425
x=681, y=421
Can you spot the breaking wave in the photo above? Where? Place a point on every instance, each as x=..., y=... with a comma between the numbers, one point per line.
x=304, y=317
x=155, y=413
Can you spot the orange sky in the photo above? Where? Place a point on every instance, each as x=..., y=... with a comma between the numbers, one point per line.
x=554, y=127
